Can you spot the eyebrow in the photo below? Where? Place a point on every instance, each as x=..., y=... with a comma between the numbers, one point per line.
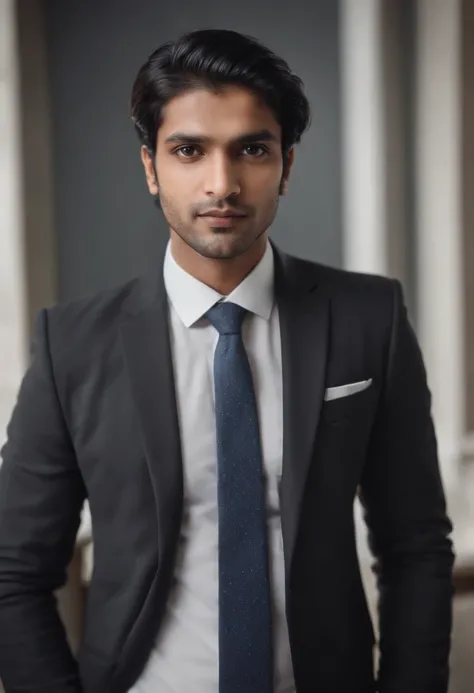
x=247, y=138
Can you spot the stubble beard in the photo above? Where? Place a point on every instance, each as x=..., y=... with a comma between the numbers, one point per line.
x=224, y=244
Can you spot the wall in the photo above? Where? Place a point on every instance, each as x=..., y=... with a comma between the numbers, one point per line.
x=107, y=226
x=13, y=348
x=39, y=253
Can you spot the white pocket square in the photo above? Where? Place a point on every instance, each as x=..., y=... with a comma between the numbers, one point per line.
x=346, y=390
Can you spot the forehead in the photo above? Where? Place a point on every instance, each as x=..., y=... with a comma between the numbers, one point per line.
x=221, y=115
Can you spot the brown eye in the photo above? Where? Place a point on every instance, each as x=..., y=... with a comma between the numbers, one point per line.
x=187, y=152
x=255, y=150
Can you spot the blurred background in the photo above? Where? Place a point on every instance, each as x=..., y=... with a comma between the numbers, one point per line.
x=383, y=183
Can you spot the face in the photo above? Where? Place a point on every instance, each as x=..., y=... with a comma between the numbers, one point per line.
x=220, y=170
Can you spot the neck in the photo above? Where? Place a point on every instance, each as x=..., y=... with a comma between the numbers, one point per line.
x=222, y=275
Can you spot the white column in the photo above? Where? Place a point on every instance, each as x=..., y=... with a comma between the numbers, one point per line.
x=13, y=322
x=439, y=223
x=363, y=151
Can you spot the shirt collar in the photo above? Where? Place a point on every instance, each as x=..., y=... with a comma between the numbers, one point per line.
x=192, y=298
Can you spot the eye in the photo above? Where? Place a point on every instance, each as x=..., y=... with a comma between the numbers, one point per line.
x=188, y=151
x=256, y=150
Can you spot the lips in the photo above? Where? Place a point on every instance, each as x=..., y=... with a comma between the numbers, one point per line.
x=222, y=220
x=219, y=215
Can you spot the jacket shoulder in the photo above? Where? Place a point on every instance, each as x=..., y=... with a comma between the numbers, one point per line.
x=338, y=282
x=80, y=330
x=105, y=306
x=359, y=302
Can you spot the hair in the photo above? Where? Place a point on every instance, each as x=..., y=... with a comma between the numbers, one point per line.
x=212, y=59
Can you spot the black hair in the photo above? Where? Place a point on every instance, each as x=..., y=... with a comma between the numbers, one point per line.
x=213, y=58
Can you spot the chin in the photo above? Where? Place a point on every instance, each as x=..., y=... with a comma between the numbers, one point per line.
x=222, y=247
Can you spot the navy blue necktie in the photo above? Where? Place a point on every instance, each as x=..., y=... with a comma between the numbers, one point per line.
x=245, y=632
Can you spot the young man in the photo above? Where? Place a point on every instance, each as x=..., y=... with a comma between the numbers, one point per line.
x=221, y=416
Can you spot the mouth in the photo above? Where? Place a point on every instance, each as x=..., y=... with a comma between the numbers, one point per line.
x=222, y=219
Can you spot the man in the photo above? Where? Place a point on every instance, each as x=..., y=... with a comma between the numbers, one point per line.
x=221, y=416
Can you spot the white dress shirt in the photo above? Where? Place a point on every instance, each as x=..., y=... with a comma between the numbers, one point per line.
x=185, y=658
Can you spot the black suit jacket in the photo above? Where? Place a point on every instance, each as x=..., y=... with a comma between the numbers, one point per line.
x=96, y=417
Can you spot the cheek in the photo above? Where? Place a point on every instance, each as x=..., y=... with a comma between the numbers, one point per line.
x=263, y=184
x=181, y=183
x=171, y=171
x=177, y=181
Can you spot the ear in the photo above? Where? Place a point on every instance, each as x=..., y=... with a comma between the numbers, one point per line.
x=286, y=171
x=147, y=161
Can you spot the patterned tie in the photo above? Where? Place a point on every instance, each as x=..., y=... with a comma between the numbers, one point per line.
x=245, y=632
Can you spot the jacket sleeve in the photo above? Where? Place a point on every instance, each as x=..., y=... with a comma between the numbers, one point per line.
x=41, y=496
x=405, y=511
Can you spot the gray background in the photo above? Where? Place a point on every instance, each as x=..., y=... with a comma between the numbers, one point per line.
x=107, y=227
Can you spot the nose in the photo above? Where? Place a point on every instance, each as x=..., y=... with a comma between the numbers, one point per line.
x=222, y=179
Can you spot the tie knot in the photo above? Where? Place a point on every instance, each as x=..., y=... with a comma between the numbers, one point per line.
x=227, y=318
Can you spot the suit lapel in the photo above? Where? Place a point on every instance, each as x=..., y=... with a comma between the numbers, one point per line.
x=146, y=344
x=304, y=323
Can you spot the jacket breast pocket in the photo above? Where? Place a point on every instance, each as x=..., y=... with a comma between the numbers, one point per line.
x=350, y=407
